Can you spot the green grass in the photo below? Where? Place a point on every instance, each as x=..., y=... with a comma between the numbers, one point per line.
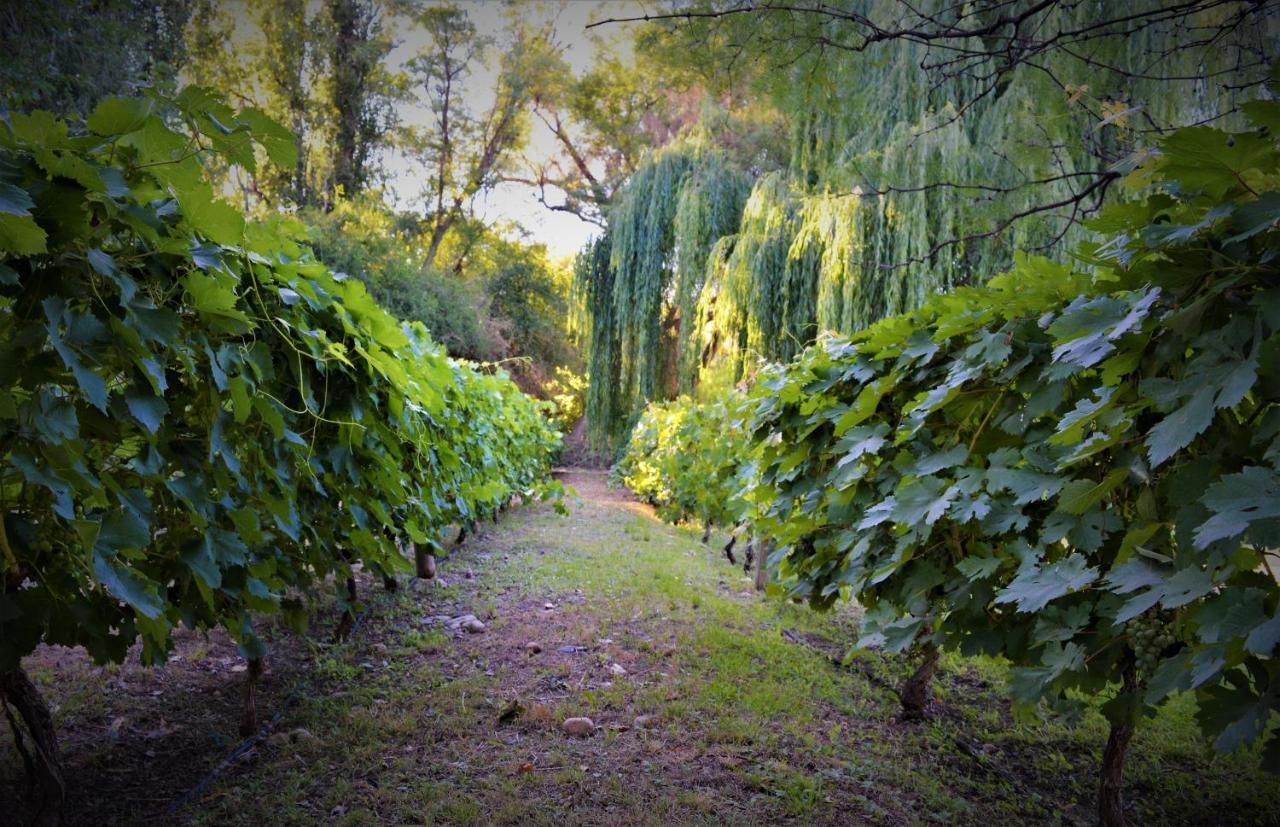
x=750, y=725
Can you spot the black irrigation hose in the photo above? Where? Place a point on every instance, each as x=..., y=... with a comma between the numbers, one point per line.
x=252, y=741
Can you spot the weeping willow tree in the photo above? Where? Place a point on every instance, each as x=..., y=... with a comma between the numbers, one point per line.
x=641, y=280
x=956, y=168
x=762, y=300
x=901, y=182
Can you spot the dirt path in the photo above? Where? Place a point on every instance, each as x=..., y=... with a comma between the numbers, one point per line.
x=710, y=704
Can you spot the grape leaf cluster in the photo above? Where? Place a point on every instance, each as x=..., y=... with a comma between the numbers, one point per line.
x=199, y=423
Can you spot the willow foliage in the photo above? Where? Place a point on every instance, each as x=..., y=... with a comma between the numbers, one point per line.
x=887, y=165
x=765, y=293
x=711, y=203
x=661, y=228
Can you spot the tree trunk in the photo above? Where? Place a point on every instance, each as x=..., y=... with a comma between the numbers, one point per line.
x=762, y=564
x=750, y=556
x=249, y=719
x=706, y=534
x=1111, y=788
x=916, y=692
x=45, y=768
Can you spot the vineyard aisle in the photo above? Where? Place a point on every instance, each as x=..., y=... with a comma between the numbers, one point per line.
x=708, y=704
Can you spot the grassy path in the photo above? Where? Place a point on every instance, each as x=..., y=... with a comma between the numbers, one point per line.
x=710, y=703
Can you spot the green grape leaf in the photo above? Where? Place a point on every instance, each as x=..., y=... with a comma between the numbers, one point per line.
x=1078, y=496
x=922, y=501
x=127, y=585
x=1236, y=502
x=15, y=200
x=148, y=410
x=116, y=116
x=21, y=235
x=1178, y=429
x=1035, y=587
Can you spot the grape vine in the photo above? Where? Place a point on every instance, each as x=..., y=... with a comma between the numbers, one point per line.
x=199, y=423
x=1050, y=467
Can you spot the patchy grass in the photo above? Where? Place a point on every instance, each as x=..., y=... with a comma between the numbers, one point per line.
x=746, y=717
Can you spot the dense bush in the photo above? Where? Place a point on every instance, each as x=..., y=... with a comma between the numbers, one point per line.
x=686, y=458
x=362, y=238
x=1076, y=470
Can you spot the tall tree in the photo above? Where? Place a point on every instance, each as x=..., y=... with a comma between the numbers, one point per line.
x=288, y=68
x=602, y=123
x=1129, y=71
x=361, y=92
x=1002, y=141
x=466, y=154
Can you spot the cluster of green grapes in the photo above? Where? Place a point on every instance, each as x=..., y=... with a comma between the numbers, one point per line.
x=1151, y=633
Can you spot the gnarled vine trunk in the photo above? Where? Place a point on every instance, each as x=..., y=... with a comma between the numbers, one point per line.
x=762, y=568
x=916, y=692
x=348, y=621
x=1111, y=783
x=249, y=718
x=44, y=768
x=728, y=551
x=424, y=563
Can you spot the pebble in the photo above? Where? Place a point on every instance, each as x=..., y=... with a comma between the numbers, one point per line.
x=578, y=727
x=473, y=626
x=643, y=721
x=617, y=669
